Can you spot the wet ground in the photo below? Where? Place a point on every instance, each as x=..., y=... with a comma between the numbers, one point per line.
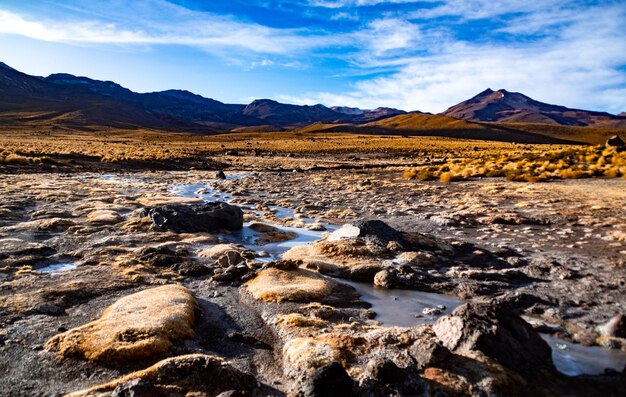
x=70, y=244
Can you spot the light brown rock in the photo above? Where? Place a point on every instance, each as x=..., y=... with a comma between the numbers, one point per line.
x=135, y=327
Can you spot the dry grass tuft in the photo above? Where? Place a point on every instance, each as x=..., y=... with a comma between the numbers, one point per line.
x=298, y=320
x=537, y=164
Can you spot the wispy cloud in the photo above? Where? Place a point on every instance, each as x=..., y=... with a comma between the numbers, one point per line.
x=480, y=9
x=203, y=30
x=428, y=56
x=579, y=66
x=355, y=3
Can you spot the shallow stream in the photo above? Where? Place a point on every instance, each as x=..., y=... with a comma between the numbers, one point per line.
x=405, y=308
x=393, y=307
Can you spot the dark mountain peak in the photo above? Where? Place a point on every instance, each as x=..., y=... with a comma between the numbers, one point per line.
x=6, y=67
x=623, y=114
x=264, y=101
x=487, y=92
x=348, y=110
x=515, y=107
x=107, y=88
x=62, y=76
x=67, y=78
x=185, y=95
x=389, y=110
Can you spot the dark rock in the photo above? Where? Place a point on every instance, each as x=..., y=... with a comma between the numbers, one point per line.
x=232, y=258
x=232, y=153
x=616, y=141
x=495, y=330
x=378, y=231
x=328, y=380
x=405, y=277
x=427, y=353
x=195, y=218
x=191, y=269
x=234, y=393
x=231, y=273
x=137, y=388
x=385, y=378
x=220, y=175
x=48, y=308
x=194, y=374
x=161, y=256
x=615, y=327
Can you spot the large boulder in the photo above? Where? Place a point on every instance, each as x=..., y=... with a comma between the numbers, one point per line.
x=375, y=231
x=194, y=218
x=328, y=380
x=135, y=327
x=493, y=329
x=616, y=141
x=193, y=374
x=384, y=378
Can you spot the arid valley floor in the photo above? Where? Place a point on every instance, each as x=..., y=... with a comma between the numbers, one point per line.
x=353, y=274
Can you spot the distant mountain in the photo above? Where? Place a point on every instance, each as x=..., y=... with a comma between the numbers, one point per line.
x=623, y=114
x=272, y=112
x=27, y=98
x=378, y=114
x=425, y=124
x=72, y=102
x=67, y=99
x=513, y=107
x=348, y=110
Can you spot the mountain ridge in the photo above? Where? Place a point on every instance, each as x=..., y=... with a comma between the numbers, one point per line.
x=506, y=106
x=59, y=92
x=62, y=99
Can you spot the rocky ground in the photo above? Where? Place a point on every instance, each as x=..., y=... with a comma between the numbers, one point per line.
x=113, y=284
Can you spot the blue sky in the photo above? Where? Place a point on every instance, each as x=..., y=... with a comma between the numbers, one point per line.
x=414, y=55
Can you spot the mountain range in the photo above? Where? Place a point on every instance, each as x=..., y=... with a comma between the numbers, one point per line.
x=86, y=101
x=72, y=102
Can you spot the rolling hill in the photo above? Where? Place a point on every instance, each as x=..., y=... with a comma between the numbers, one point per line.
x=425, y=124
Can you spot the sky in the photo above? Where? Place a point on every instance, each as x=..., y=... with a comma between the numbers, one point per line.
x=413, y=55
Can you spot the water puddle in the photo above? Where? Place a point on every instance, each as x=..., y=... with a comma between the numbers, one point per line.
x=575, y=359
x=404, y=308
x=204, y=191
x=248, y=238
x=57, y=268
x=200, y=190
x=121, y=178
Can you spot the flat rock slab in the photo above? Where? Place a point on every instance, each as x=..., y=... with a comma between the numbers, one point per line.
x=135, y=327
x=197, y=218
x=274, y=285
x=179, y=376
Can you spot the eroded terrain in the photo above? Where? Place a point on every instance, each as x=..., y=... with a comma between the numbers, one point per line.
x=453, y=293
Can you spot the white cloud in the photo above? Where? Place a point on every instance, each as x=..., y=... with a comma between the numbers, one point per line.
x=201, y=30
x=558, y=51
x=579, y=67
x=479, y=9
x=355, y=3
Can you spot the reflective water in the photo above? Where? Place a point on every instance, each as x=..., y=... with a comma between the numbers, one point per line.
x=403, y=308
x=56, y=268
x=575, y=359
